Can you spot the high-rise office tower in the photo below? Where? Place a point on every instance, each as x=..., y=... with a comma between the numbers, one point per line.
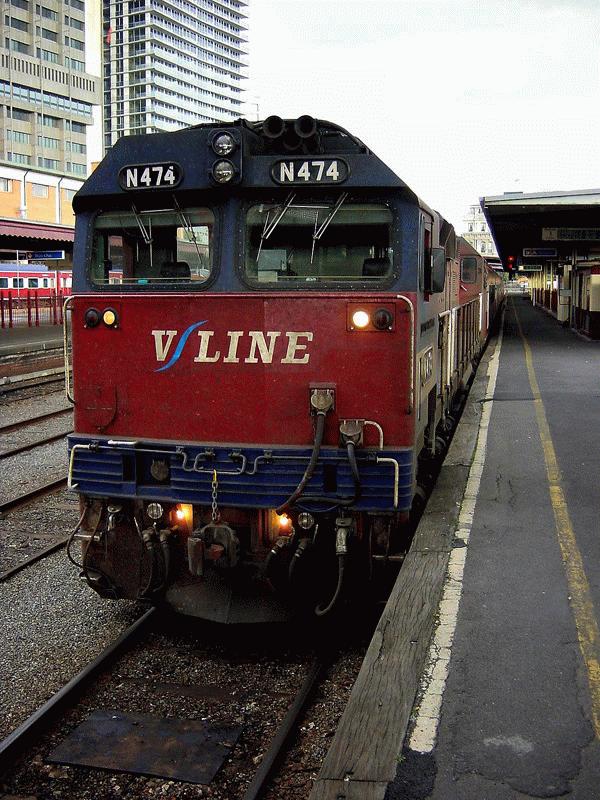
x=171, y=63
x=50, y=65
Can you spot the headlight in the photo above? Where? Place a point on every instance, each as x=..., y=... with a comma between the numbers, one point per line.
x=109, y=318
x=223, y=144
x=154, y=511
x=223, y=171
x=306, y=520
x=91, y=318
x=360, y=319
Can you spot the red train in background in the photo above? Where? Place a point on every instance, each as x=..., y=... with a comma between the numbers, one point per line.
x=18, y=280
x=269, y=332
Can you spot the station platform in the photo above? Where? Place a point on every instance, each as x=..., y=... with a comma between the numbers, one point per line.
x=517, y=711
x=23, y=339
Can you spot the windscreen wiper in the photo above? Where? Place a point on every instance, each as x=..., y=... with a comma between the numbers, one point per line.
x=187, y=227
x=146, y=234
x=325, y=224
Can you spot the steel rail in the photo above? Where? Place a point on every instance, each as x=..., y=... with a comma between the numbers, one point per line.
x=29, y=731
x=31, y=383
x=286, y=729
x=47, y=551
x=23, y=448
x=27, y=497
x=15, y=426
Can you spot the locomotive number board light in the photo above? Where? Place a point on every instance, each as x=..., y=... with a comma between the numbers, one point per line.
x=165, y=175
x=370, y=317
x=302, y=171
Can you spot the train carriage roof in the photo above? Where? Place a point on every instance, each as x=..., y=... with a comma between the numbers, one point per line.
x=191, y=149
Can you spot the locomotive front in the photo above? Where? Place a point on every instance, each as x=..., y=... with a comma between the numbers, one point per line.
x=243, y=327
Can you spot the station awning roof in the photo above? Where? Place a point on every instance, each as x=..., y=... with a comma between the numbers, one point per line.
x=36, y=230
x=543, y=221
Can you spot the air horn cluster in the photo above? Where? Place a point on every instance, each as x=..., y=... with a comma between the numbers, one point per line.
x=293, y=135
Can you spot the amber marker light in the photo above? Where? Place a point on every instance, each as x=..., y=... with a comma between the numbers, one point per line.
x=109, y=318
x=184, y=515
x=285, y=523
x=360, y=319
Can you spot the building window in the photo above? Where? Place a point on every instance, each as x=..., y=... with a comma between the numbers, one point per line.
x=17, y=46
x=17, y=113
x=74, y=127
x=470, y=227
x=47, y=55
x=47, y=163
x=46, y=13
x=39, y=190
x=32, y=283
x=52, y=36
x=5, y=185
x=19, y=158
x=48, y=141
x=76, y=169
x=17, y=23
x=24, y=4
x=75, y=147
x=48, y=121
x=18, y=136
x=69, y=193
x=483, y=227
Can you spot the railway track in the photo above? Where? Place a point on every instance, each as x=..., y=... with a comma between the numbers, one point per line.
x=34, y=494
x=15, y=426
x=27, y=737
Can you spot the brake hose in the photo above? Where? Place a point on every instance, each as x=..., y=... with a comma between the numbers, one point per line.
x=299, y=490
x=339, y=501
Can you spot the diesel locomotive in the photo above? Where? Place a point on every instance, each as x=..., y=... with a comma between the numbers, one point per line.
x=269, y=329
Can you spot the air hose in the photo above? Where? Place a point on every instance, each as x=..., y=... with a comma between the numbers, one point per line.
x=308, y=473
x=340, y=501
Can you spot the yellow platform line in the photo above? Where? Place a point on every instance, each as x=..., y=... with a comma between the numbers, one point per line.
x=579, y=588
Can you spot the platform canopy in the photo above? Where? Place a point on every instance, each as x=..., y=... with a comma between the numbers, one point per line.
x=530, y=227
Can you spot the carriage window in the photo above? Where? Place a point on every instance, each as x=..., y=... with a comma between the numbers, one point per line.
x=301, y=242
x=469, y=269
x=147, y=248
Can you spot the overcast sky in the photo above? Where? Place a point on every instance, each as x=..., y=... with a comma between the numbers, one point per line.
x=461, y=98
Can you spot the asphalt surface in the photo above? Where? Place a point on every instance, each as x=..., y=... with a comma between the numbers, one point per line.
x=23, y=338
x=516, y=714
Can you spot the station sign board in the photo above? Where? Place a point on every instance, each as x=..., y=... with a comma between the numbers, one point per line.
x=571, y=234
x=46, y=255
x=529, y=268
x=539, y=252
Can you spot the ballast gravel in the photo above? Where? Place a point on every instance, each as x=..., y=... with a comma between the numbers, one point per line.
x=16, y=409
x=52, y=626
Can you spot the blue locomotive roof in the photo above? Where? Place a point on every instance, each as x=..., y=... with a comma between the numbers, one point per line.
x=183, y=161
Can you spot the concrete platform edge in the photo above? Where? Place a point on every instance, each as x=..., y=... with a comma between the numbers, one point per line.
x=368, y=741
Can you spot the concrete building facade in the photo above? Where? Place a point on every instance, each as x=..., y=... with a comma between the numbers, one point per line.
x=171, y=63
x=50, y=117
x=477, y=232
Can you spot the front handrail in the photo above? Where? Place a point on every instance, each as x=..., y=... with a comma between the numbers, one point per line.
x=68, y=394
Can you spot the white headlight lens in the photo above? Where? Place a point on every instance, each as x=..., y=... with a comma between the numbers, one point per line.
x=306, y=520
x=223, y=144
x=223, y=171
x=360, y=319
x=154, y=511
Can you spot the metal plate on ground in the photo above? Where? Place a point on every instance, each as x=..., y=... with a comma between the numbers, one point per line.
x=180, y=749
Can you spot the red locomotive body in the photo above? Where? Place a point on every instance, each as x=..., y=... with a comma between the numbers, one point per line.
x=264, y=345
